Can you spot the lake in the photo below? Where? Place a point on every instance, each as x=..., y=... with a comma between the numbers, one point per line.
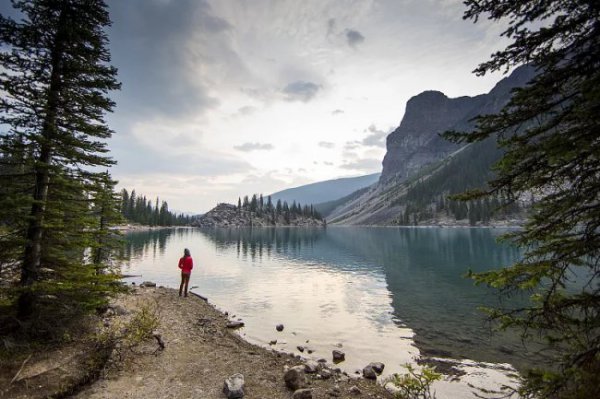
x=379, y=294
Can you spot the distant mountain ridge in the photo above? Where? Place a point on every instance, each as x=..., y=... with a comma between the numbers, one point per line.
x=325, y=191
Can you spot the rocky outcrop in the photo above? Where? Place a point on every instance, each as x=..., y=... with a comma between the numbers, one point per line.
x=417, y=156
x=227, y=215
x=416, y=143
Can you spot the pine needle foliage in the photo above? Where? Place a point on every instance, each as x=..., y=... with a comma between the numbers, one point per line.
x=550, y=132
x=56, y=209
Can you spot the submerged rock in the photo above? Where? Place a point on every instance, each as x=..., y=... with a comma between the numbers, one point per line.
x=233, y=387
x=338, y=356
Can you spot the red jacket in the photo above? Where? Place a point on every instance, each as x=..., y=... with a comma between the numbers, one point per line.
x=186, y=264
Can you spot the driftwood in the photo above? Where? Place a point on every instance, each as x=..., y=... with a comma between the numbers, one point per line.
x=199, y=296
x=21, y=369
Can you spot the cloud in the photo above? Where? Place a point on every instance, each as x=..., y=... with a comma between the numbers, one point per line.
x=351, y=145
x=246, y=110
x=337, y=111
x=301, y=91
x=363, y=165
x=330, y=26
x=354, y=37
x=376, y=138
x=247, y=147
x=326, y=144
x=167, y=53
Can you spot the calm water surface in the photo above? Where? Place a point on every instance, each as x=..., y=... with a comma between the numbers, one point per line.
x=382, y=294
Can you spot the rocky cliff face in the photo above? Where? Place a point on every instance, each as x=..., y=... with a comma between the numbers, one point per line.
x=415, y=144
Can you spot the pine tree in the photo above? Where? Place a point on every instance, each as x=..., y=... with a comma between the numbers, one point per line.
x=55, y=76
x=550, y=132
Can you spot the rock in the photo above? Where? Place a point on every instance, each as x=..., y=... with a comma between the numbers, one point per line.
x=311, y=367
x=273, y=342
x=338, y=356
x=322, y=360
x=392, y=388
x=295, y=378
x=300, y=348
x=148, y=284
x=354, y=390
x=235, y=324
x=233, y=387
x=302, y=394
x=310, y=351
x=378, y=367
x=369, y=373
x=279, y=327
x=326, y=374
x=119, y=310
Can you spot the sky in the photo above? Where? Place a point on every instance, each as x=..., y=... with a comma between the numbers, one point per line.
x=226, y=98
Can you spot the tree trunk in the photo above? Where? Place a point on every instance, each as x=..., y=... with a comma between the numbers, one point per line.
x=33, y=248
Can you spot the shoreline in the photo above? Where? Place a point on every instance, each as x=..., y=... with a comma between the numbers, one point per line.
x=199, y=353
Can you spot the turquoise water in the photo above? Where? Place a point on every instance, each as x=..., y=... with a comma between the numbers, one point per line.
x=382, y=294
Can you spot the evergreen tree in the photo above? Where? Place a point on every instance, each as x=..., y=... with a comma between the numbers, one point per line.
x=550, y=132
x=55, y=79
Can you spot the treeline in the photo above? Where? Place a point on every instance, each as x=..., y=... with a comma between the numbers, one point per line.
x=261, y=207
x=428, y=197
x=138, y=209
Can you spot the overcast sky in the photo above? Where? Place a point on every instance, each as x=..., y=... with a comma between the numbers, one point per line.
x=231, y=97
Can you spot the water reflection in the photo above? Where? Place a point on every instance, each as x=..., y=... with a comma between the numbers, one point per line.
x=370, y=281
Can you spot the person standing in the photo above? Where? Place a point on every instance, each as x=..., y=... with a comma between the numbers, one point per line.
x=186, y=264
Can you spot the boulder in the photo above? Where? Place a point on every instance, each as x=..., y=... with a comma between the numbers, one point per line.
x=233, y=387
x=369, y=373
x=295, y=378
x=378, y=367
x=311, y=367
x=302, y=394
x=279, y=327
x=338, y=356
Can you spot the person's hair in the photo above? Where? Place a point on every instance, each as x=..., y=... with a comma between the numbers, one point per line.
x=186, y=252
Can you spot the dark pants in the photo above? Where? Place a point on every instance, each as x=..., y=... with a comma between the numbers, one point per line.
x=185, y=279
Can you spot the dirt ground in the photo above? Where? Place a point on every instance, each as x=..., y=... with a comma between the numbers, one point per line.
x=200, y=353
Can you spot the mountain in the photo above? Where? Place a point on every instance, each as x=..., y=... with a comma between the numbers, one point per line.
x=324, y=191
x=420, y=168
x=416, y=143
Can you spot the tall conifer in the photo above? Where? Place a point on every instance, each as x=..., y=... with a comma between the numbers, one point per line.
x=55, y=78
